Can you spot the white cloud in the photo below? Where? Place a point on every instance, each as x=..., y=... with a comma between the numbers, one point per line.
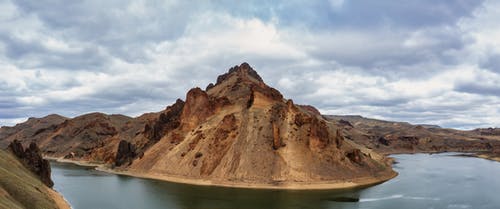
x=348, y=58
x=7, y=10
x=336, y=4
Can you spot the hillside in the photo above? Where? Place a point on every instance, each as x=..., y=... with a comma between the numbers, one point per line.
x=20, y=188
x=90, y=137
x=390, y=137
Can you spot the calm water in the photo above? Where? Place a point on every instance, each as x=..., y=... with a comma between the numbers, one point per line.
x=437, y=181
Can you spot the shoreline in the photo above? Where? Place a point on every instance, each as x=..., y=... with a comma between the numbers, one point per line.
x=75, y=162
x=476, y=154
x=322, y=185
x=59, y=199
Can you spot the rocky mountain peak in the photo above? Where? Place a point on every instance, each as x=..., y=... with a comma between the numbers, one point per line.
x=243, y=72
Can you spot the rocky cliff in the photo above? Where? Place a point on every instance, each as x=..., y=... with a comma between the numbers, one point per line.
x=32, y=159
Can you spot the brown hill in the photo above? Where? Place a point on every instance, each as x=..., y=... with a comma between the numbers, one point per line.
x=90, y=137
x=30, y=130
x=389, y=137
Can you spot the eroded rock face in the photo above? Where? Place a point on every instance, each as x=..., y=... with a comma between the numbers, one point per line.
x=197, y=108
x=301, y=119
x=17, y=148
x=268, y=92
x=219, y=146
x=345, y=123
x=310, y=109
x=383, y=140
x=32, y=159
x=355, y=156
x=339, y=138
x=244, y=68
x=167, y=121
x=319, y=135
x=125, y=154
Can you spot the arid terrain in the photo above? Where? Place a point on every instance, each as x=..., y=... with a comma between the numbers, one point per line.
x=240, y=132
x=387, y=137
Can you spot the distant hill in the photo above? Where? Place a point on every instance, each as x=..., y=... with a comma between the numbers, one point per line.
x=390, y=137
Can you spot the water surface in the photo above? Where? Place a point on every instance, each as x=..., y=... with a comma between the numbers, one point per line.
x=437, y=181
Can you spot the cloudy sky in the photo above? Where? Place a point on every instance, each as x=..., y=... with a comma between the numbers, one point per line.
x=421, y=61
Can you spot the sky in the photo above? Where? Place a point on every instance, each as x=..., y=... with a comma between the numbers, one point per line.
x=420, y=61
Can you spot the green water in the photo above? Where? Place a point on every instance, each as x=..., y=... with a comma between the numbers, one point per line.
x=439, y=181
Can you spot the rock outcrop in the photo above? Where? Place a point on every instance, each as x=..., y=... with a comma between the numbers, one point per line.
x=32, y=159
x=166, y=121
x=125, y=154
x=197, y=108
x=20, y=188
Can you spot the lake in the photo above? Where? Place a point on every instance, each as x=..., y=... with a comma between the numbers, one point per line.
x=439, y=181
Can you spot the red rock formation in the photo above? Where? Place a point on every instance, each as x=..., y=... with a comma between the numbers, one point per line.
x=339, y=138
x=301, y=119
x=32, y=159
x=167, y=121
x=196, y=109
x=244, y=69
x=355, y=156
x=220, y=145
x=310, y=109
x=319, y=135
x=383, y=140
x=125, y=154
x=345, y=123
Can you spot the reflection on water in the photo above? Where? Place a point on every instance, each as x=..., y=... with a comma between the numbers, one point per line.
x=425, y=181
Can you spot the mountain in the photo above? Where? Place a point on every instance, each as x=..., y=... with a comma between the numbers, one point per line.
x=239, y=131
x=90, y=137
x=31, y=129
x=236, y=132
